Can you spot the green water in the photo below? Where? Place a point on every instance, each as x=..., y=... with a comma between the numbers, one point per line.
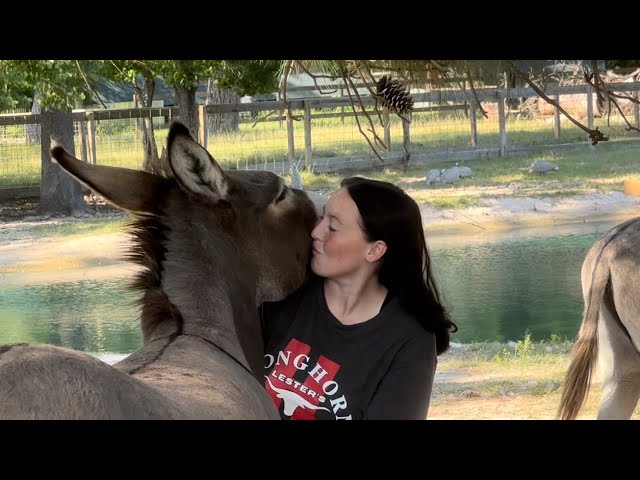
x=524, y=282
x=496, y=288
x=87, y=315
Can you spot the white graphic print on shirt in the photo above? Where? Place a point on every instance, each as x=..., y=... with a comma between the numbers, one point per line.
x=303, y=399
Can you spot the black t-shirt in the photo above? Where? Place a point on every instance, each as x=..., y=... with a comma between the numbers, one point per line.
x=318, y=368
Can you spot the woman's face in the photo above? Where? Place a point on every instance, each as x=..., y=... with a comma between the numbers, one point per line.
x=339, y=245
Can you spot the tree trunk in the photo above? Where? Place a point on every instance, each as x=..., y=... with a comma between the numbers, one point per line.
x=186, y=99
x=221, y=122
x=152, y=163
x=510, y=82
x=60, y=193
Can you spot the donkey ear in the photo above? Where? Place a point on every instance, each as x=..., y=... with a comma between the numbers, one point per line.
x=193, y=167
x=131, y=190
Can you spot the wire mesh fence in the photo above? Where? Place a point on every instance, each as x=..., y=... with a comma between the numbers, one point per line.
x=326, y=134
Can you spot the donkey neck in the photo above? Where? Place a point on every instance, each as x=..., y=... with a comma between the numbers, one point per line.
x=214, y=293
x=189, y=287
x=162, y=318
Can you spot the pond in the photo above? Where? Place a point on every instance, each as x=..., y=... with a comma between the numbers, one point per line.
x=496, y=287
x=501, y=288
x=89, y=315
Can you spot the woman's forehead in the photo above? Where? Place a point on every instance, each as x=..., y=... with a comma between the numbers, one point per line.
x=341, y=205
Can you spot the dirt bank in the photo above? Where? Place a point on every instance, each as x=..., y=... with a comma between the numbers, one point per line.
x=508, y=212
x=23, y=252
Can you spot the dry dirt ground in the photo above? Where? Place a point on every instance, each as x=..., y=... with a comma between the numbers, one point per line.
x=511, y=405
x=501, y=213
x=83, y=256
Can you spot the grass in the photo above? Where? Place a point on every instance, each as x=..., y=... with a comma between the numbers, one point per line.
x=452, y=203
x=526, y=367
x=81, y=227
x=599, y=170
x=496, y=380
x=524, y=351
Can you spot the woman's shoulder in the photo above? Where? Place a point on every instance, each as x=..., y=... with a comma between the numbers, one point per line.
x=406, y=325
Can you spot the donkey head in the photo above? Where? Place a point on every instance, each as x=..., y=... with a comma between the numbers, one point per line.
x=214, y=243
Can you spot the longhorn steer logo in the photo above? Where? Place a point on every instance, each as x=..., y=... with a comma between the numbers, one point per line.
x=292, y=400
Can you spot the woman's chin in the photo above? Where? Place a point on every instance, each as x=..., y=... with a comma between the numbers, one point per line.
x=315, y=267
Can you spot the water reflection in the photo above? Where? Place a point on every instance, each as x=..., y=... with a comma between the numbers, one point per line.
x=88, y=315
x=499, y=288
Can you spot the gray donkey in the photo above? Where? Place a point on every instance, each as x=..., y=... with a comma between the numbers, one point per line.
x=213, y=245
x=610, y=330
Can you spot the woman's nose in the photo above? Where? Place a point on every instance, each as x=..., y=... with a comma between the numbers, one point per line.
x=316, y=233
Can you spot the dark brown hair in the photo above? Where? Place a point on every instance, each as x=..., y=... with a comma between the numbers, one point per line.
x=387, y=213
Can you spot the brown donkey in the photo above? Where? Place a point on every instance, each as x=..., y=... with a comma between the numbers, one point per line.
x=213, y=245
x=610, y=330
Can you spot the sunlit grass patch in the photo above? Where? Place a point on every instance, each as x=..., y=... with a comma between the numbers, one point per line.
x=81, y=227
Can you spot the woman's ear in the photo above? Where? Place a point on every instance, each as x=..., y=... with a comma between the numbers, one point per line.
x=376, y=251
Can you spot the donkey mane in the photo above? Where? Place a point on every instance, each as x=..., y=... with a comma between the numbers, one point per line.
x=148, y=250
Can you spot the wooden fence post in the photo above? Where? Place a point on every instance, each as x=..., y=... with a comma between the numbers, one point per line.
x=202, y=125
x=502, y=124
x=636, y=110
x=82, y=127
x=590, y=107
x=556, y=118
x=307, y=135
x=473, y=122
x=291, y=153
x=91, y=139
x=280, y=112
x=406, y=142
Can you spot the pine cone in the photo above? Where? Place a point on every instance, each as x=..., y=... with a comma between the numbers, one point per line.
x=394, y=95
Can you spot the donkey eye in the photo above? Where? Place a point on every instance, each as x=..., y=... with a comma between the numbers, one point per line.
x=282, y=195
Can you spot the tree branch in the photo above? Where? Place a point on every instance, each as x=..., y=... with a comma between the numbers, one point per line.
x=285, y=77
x=117, y=68
x=347, y=81
x=365, y=71
x=366, y=114
x=315, y=77
x=86, y=82
x=595, y=135
x=602, y=92
x=474, y=93
x=263, y=118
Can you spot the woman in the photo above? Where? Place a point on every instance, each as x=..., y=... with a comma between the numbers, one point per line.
x=360, y=340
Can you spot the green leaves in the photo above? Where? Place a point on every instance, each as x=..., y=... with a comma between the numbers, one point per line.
x=58, y=82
